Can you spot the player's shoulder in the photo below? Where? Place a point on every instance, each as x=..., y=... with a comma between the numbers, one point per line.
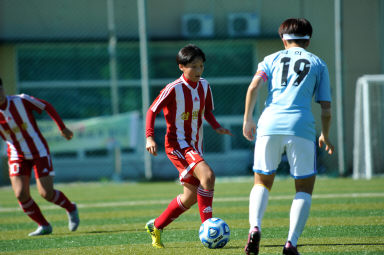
x=13, y=97
x=171, y=87
x=28, y=97
x=274, y=56
x=204, y=82
x=18, y=97
x=175, y=83
x=315, y=58
x=24, y=96
x=35, y=101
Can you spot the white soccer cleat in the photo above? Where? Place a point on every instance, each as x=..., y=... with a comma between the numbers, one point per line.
x=73, y=219
x=41, y=230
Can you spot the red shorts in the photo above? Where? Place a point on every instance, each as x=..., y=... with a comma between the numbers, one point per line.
x=41, y=166
x=185, y=160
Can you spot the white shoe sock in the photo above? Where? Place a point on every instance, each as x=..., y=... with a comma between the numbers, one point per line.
x=300, y=208
x=258, y=201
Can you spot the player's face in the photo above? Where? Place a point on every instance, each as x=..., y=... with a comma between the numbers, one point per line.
x=193, y=71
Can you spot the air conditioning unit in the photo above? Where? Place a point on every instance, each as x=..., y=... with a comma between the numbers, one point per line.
x=243, y=24
x=197, y=25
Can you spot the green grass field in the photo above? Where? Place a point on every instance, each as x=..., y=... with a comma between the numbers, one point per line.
x=347, y=217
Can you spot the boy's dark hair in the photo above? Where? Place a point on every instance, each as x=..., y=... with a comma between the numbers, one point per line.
x=188, y=53
x=298, y=27
x=1, y=82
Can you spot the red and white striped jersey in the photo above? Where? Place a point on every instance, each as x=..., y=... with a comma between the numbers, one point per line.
x=19, y=129
x=183, y=105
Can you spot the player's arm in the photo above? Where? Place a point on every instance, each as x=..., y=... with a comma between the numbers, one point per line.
x=151, y=145
x=162, y=100
x=39, y=105
x=210, y=118
x=325, y=126
x=65, y=132
x=249, y=126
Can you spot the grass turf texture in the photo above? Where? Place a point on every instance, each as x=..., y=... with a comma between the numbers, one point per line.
x=347, y=217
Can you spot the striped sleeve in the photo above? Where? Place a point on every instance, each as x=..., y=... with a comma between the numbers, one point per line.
x=161, y=99
x=35, y=103
x=262, y=74
x=53, y=114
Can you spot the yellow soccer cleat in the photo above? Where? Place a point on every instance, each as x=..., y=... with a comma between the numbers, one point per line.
x=155, y=234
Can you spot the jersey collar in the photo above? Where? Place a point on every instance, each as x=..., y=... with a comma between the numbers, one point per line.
x=190, y=84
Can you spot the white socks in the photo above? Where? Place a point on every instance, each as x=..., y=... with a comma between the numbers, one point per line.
x=301, y=205
x=298, y=216
x=258, y=201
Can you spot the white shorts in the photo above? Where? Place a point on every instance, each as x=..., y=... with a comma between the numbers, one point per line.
x=300, y=153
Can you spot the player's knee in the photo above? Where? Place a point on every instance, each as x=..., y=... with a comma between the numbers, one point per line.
x=22, y=196
x=208, y=180
x=211, y=178
x=188, y=200
x=46, y=194
x=191, y=202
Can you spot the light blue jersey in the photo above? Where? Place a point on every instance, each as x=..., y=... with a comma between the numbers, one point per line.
x=294, y=77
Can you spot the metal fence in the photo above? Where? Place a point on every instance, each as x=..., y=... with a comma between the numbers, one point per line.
x=75, y=74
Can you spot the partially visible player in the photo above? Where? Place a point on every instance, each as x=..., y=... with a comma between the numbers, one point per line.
x=28, y=149
x=293, y=77
x=184, y=103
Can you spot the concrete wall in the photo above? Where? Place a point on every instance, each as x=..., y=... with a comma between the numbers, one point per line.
x=362, y=54
x=8, y=75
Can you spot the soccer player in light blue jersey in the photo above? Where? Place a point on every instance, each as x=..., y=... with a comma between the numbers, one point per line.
x=293, y=77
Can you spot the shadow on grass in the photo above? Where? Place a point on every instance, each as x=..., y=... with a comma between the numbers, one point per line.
x=328, y=244
x=108, y=231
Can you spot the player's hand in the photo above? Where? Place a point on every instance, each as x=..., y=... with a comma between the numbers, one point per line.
x=249, y=130
x=151, y=146
x=67, y=133
x=223, y=131
x=328, y=145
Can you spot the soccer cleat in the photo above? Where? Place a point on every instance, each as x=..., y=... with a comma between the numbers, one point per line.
x=73, y=219
x=155, y=234
x=289, y=249
x=41, y=230
x=252, y=247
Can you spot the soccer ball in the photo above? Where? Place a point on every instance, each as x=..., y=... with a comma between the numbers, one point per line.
x=214, y=233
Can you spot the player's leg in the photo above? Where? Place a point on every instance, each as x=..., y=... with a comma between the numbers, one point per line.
x=180, y=203
x=299, y=213
x=47, y=191
x=259, y=198
x=206, y=189
x=267, y=156
x=258, y=201
x=44, y=180
x=178, y=206
x=189, y=196
x=195, y=171
x=20, y=172
x=301, y=155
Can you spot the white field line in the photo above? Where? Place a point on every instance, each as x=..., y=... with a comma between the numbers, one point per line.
x=216, y=200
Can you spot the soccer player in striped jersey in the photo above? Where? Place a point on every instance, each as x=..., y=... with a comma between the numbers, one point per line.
x=293, y=76
x=185, y=102
x=28, y=149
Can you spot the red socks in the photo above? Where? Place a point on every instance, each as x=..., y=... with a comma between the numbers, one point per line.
x=33, y=211
x=204, y=201
x=61, y=200
x=174, y=210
